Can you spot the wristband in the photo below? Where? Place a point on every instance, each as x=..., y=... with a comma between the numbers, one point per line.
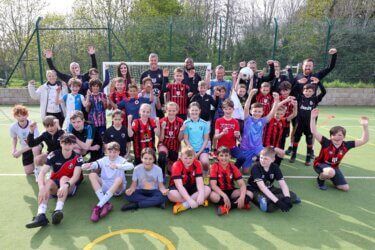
x=68, y=184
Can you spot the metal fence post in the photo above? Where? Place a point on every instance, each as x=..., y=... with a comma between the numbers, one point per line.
x=220, y=33
x=109, y=42
x=275, y=39
x=170, y=38
x=330, y=25
x=39, y=50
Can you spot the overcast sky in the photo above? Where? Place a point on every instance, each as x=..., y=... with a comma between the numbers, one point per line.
x=58, y=6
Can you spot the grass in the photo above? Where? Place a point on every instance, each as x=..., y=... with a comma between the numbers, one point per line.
x=325, y=219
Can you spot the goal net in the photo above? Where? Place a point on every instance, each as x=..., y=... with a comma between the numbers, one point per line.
x=137, y=68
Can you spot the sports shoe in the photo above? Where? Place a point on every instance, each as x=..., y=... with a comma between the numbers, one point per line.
x=95, y=215
x=163, y=205
x=321, y=184
x=262, y=203
x=130, y=206
x=205, y=203
x=222, y=210
x=247, y=206
x=308, y=160
x=289, y=150
x=38, y=221
x=293, y=157
x=297, y=200
x=57, y=216
x=106, y=209
x=178, y=208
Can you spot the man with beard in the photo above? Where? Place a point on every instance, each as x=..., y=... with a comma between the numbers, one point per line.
x=191, y=77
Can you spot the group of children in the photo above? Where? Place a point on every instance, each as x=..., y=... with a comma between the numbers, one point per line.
x=249, y=121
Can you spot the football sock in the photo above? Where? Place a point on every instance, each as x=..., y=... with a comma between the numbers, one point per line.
x=99, y=193
x=186, y=204
x=42, y=208
x=108, y=195
x=59, y=205
x=162, y=161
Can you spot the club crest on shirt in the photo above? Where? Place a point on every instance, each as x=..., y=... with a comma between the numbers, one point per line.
x=136, y=102
x=271, y=176
x=123, y=135
x=178, y=93
x=159, y=76
x=71, y=166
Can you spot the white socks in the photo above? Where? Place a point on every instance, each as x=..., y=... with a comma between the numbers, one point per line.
x=108, y=195
x=59, y=205
x=42, y=208
x=99, y=193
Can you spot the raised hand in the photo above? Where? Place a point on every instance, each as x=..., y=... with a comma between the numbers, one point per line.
x=242, y=64
x=364, y=121
x=130, y=118
x=32, y=82
x=48, y=53
x=287, y=67
x=191, y=73
x=234, y=75
x=314, y=80
x=332, y=51
x=275, y=96
x=91, y=50
x=270, y=62
x=302, y=80
x=32, y=127
x=253, y=91
x=314, y=113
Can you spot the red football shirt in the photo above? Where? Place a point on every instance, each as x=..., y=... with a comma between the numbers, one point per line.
x=144, y=136
x=187, y=175
x=289, y=109
x=171, y=133
x=225, y=177
x=117, y=97
x=274, y=132
x=228, y=140
x=178, y=93
x=266, y=100
x=331, y=155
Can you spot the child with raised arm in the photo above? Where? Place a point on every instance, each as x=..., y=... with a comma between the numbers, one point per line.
x=171, y=135
x=110, y=182
x=306, y=102
x=222, y=177
x=266, y=196
x=147, y=188
x=19, y=132
x=251, y=142
x=333, y=151
x=73, y=101
x=51, y=137
x=143, y=131
x=196, y=135
x=147, y=88
x=187, y=189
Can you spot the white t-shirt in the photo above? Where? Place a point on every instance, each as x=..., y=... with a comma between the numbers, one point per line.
x=21, y=133
x=52, y=107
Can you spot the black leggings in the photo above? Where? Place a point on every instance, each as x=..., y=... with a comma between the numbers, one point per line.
x=271, y=207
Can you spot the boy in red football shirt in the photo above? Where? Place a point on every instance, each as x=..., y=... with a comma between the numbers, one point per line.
x=332, y=152
x=265, y=98
x=186, y=187
x=66, y=175
x=171, y=135
x=227, y=129
x=222, y=176
x=178, y=92
x=143, y=131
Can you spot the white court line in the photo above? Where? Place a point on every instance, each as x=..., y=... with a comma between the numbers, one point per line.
x=246, y=176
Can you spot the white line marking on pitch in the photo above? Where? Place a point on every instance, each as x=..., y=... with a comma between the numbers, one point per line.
x=287, y=176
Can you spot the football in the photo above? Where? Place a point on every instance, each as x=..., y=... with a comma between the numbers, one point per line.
x=246, y=73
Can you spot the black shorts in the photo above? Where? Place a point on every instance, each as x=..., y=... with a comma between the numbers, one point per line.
x=337, y=180
x=27, y=158
x=229, y=192
x=74, y=190
x=191, y=189
x=172, y=155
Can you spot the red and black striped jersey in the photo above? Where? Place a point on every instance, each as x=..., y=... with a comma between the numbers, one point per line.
x=171, y=132
x=225, y=177
x=274, y=132
x=267, y=102
x=144, y=136
x=331, y=155
x=117, y=97
x=61, y=166
x=177, y=93
x=289, y=108
x=186, y=174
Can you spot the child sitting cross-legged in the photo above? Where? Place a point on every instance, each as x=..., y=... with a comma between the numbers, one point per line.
x=111, y=180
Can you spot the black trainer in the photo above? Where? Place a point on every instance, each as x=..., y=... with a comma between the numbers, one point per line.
x=163, y=205
x=321, y=184
x=293, y=157
x=38, y=221
x=289, y=150
x=130, y=206
x=57, y=217
x=308, y=160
